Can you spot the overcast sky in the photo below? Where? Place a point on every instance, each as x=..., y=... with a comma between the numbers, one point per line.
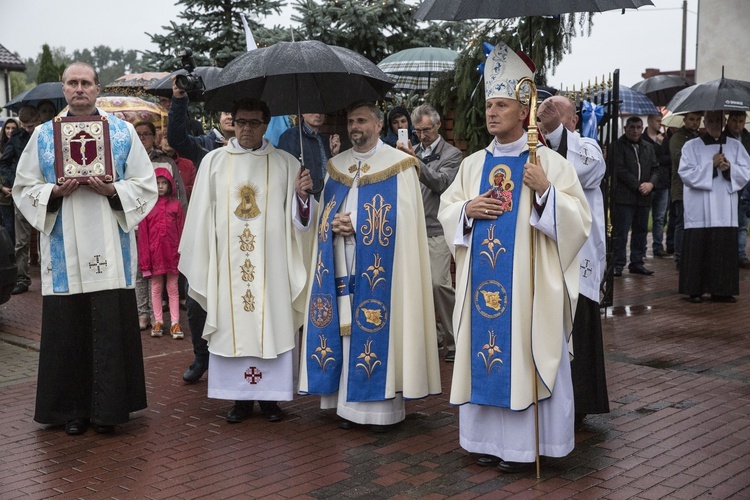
x=647, y=38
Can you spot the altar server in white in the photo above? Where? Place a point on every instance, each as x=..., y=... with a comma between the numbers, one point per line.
x=506, y=335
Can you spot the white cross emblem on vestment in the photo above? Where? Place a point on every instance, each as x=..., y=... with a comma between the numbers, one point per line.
x=98, y=262
x=253, y=375
x=586, y=268
x=140, y=205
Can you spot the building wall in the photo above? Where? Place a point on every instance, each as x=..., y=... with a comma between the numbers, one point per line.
x=723, y=39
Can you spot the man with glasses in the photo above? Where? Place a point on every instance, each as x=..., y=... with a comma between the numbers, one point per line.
x=90, y=358
x=29, y=117
x=438, y=164
x=245, y=264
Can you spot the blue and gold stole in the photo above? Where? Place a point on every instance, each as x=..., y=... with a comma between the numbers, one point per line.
x=370, y=287
x=492, y=251
x=120, y=142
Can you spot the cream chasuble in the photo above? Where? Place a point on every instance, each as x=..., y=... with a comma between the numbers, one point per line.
x=412, y=361
x=242, y=256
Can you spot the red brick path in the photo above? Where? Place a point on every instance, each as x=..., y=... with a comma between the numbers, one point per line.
x=679, y=382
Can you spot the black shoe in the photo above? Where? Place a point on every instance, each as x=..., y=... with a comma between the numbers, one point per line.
x=618, y=272
x=20, y=288
x=723, y=298
x=641, y=270
x=346, y=424
x=450, y=357
x=241, y=411
x=195, y=371
x=515, y=467
x=104, y=429
x=695, y=299
x=660, y=253
x=488, y=461
x=76, y=426
x=578, y=423
x=271, y=410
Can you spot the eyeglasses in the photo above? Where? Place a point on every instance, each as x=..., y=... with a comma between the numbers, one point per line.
x=145, y=134
x=423, y=130
x=244, y=123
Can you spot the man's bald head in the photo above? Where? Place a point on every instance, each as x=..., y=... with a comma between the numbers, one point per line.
x=554, y=111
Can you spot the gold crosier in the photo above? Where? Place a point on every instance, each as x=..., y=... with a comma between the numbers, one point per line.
x=526, y=95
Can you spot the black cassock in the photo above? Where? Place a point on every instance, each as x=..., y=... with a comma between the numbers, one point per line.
x=90, y=359
x=587, y=368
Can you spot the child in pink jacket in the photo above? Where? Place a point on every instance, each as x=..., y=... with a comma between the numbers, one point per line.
x=158, y=240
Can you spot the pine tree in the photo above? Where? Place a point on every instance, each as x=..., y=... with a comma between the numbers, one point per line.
x=48, y=70
x=212, y=29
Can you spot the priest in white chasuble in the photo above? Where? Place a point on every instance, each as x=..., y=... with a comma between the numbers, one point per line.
x=512, y=322
x=370, y=337
x=90, y=359
x=245, y=263
x=713, y=169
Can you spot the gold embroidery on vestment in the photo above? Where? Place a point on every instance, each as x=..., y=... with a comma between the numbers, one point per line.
x=370, y=359
x=376, y=226
x=247, y=194
x=248, y=301
x=490, y=241
x=248, y=271
x=320, y=269
x=247, y=240
x=489, y=357
x=323, y=353
x=376, y=270
x=325, y=225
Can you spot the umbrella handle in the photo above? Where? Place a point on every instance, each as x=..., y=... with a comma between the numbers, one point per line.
x=313, y=191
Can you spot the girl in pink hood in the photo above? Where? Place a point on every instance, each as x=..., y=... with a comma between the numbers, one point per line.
x=158, y=240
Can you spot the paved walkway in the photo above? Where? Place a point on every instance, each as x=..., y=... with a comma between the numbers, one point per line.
x=679, y=383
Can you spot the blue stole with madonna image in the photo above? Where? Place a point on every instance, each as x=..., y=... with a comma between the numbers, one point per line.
x=492, y=255
x=370, y=290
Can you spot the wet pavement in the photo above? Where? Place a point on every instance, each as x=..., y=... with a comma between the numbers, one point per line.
x=679, y=385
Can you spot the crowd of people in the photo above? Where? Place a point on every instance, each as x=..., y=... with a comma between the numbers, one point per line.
x=338, y=274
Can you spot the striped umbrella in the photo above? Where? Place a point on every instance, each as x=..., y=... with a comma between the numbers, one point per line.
x=417, y=68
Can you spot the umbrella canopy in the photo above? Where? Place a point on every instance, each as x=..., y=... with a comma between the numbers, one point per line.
x=416, y=69
x=458, y=10
x=163, y=87
x=632, y=102
x=662, y=88
x=50, y=91
x=133, y=109
x=134, y=83
x=722, y=94
x=305, y=77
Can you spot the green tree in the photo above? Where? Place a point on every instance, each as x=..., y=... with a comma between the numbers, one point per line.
x=213, y=30
x=18, y=83
x=374, y=28
x=48, y=70
x=110, y=63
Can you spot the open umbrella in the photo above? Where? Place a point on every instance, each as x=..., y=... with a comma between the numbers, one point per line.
x=632, y=102
x=414, y=69
x=662, y=88
x=299, y=77
x=722, y=94
x=132, y=109
x=163, y=87
x=458, y=10
x=50, y=91
x=134, y=83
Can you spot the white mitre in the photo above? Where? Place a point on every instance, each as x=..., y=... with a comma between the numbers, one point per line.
x=502, y=71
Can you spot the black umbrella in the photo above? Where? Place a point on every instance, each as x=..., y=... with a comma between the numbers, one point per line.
x=163, y=87
x=458, y=10
x=299, y=77
x=662, y=88
x=722, y=94
x=50, y=91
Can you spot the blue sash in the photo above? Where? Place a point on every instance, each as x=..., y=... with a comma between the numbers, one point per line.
x=120, y=142
x=369, y=287
x=492, y=252
x=323, y=333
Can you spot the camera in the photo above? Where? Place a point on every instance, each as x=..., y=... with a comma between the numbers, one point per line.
x=189, y=82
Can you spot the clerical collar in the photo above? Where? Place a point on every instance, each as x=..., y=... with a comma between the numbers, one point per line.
x=708, y=140
x=514, y=148
x=95, y=113
x=367, y=154
x=554, y=137
x=235, y=143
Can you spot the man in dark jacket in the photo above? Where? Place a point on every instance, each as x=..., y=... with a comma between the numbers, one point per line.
x=660, y=201
x=317, y=147
x=637, y=171
x=736, y=128
x=29, y=117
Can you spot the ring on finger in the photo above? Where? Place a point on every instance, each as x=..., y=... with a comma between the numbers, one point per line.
x=486, y=212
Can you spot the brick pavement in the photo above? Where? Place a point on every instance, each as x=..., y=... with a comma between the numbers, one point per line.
x=679, y=382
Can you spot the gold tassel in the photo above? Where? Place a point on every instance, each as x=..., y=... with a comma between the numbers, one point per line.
x=389, y=172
